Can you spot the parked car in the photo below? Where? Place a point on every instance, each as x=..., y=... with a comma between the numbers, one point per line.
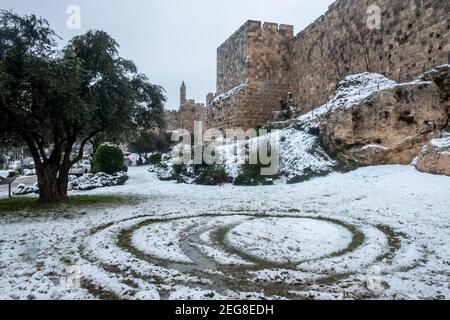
x=80, y=168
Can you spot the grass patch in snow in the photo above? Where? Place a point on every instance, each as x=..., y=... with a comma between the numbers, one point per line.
x=20, y=204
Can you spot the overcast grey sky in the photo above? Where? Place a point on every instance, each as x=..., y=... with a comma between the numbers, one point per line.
x=172, y=40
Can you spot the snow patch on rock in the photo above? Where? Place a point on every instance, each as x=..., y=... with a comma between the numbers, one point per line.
x=443, y=142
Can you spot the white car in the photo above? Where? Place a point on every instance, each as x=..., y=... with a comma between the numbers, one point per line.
x=80, y=168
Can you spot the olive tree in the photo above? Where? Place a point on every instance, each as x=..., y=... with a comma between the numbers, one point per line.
x=56, y=101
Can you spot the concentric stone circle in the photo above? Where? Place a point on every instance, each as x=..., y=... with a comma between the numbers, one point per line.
x=232, y=252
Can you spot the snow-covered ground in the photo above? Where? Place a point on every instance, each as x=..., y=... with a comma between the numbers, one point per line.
x=377, y=232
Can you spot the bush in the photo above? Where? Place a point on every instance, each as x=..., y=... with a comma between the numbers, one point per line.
x=211, y=175
x=108, y=159
x=251, y=175
x=180, y=172
x=148, y=141
x=13, y=173
x=155, y=159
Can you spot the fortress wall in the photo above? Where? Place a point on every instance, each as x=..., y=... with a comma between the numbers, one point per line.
x=233, y=58
x=226, y=113
x=414, y=37
x=257, y=55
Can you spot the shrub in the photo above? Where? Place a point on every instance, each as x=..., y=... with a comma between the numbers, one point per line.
x=108, y=159
x=147, y=141
x=13, y=173
x=155, y=159
x=180, y=172
x=211, y=175
x=251, y=175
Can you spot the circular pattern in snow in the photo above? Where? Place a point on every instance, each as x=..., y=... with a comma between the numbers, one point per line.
x=289, y=240
x=161, y=240
x=231, y=253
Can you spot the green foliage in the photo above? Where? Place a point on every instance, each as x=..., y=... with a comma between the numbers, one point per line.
x=12, y=174
x=211, y=175
x=108, y=159
x=180, y=172
x=148, y=141
x=62, y=98
x=155, y=159
x=250, y=175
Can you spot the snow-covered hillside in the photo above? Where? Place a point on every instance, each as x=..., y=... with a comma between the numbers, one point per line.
x=301, y=154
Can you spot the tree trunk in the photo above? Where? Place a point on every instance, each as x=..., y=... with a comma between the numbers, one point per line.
x=367, y=59
x=52, y=183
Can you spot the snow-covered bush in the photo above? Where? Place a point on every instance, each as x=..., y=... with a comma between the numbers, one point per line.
x=9, y=173
x=163, y=169
x=86, y=182
x=155, y=158
x=183, y=173
x=250, y=175
x=211, y=175
x=23, y=189
x=99, y=180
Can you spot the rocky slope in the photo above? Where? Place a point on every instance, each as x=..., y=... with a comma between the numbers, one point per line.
x=371, y=120
x=391, y=125
x=441, y=77
x=435, y=156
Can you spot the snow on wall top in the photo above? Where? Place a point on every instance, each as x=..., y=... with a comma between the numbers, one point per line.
x=229, y=94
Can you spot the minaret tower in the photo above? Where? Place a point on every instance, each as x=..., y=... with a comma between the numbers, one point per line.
x=183, y=99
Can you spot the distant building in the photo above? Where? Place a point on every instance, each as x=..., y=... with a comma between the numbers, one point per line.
x=189, y=111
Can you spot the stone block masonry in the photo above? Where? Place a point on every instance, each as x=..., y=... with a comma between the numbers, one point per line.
x=414, y=37
x=256, y=56
x=266, y=58
x=189, y=111
x=172, y=120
